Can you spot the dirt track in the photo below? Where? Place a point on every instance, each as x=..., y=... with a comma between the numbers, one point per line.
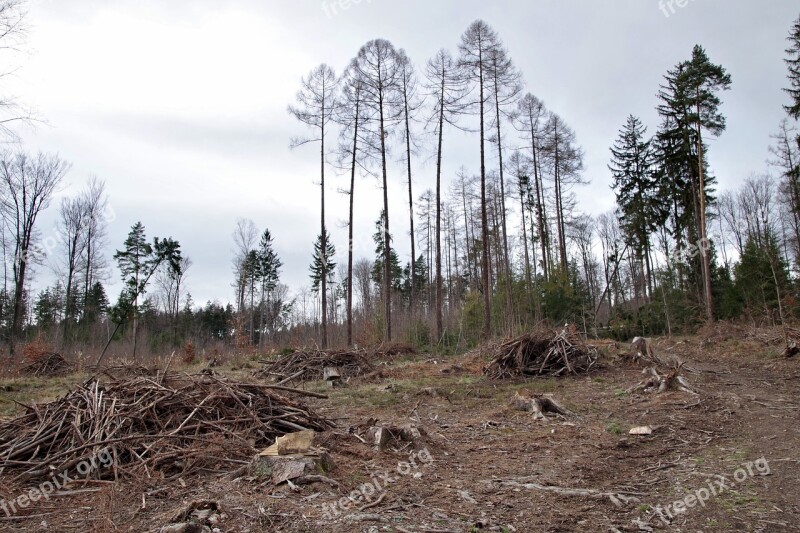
x=486, y=466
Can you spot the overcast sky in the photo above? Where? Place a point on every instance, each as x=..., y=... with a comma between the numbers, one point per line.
x=180, y=106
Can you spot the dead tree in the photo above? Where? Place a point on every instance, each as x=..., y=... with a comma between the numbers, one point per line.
x=379, y=68
x=315, y=108
x=476, y=48
x=411, y=103
x=506, y=86
x=446, y=91
x=27, y=184
x=530, y=117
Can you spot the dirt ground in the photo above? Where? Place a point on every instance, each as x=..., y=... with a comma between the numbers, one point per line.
x=728, y=456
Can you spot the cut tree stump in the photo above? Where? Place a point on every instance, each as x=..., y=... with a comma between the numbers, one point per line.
x=539, y=405
x=661, y=383
x=282, y=468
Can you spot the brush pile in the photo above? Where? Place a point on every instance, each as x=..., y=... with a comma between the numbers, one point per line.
x=169, y=427
x=46, y=364
x=393, y=349
x=542, y=354
x=302, y=365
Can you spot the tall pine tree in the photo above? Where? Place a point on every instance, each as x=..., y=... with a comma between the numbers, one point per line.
x=641, y=210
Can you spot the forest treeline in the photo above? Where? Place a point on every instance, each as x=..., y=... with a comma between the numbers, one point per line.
x=496, y=249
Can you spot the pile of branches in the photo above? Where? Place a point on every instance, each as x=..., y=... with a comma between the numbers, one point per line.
x=174, y=426
x=303, y=365
x=539, y=354
x=394, y=349
x=47, y=364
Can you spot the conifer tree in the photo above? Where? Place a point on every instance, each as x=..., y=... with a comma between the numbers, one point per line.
x=793, y=64
x=641, y=208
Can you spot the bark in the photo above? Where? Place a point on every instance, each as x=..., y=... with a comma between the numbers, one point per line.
x=324, y=250
x=703, y=239
x=387, y=259
x=487, y=275
x=412, y=295
x=439, y=302
x=507, y=269
x=350, y=225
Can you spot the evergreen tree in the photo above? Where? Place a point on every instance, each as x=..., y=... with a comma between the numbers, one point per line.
x=268, y=274
x=322, y=262
x=641, y=209
x=762, y=275
x=133, y=262
x=137, y=262
x=689, y=106
x=48, y=307
x=793, y=63
x=378, y=270
x=95, y=305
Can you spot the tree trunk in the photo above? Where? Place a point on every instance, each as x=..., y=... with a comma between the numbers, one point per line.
x=350, y=226
x=19, y=286
x=507, y=269
x=439, y=302
x=324, y=237
x=387, y=253
x=412, y=296
x=528, y=284
x=704, y=244
x=538, y=189
x=487, y=276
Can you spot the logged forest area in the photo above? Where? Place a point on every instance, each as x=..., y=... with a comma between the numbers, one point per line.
x=473, y=266
x=538, y=433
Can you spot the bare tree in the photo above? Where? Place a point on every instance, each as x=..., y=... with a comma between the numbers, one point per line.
x=411, y=103
x=73, y=225
x=13, y=32
x=316, y=107
x=520, y=169
x=356, y=144
x=27, y=184
x=476, y=48
x=245, y=236
x=787, y=160
x=530, y=121
x=379, y=67
x=99, y=216
x=362, y=274
x=172, y=289
x=447, y=93
x=566, y=160
x=506, y=86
